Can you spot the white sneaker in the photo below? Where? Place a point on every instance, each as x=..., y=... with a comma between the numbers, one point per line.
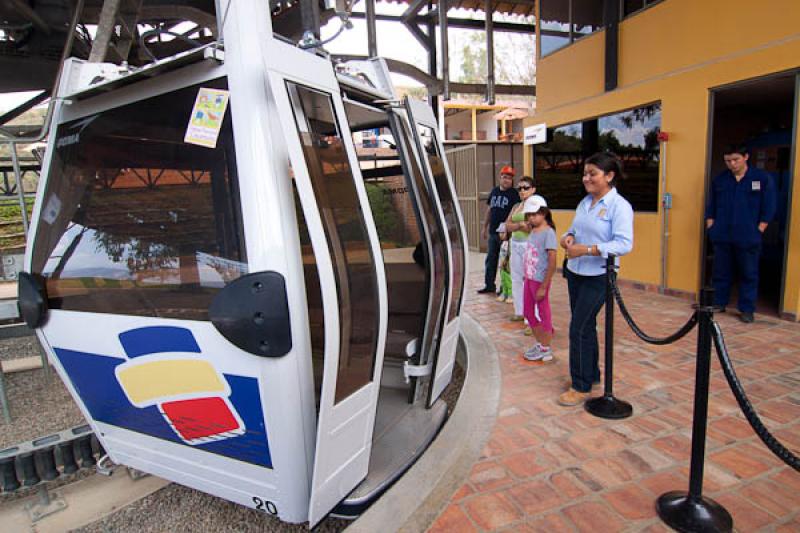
x=539, y=353
x=546, y=354
x=534, y=353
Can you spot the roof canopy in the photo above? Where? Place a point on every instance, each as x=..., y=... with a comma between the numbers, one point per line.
x=506, y=7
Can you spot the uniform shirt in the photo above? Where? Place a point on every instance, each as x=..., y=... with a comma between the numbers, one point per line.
x=738, y=207
x=500, y=203
x=609, y=225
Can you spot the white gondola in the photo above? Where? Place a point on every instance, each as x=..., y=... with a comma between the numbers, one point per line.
x=238, y=298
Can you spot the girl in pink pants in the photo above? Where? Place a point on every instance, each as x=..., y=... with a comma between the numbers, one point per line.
x=539, y=266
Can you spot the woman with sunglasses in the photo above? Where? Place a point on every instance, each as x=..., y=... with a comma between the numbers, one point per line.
x=519, y=238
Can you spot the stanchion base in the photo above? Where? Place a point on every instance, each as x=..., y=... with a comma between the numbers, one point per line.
x=608, y=407
x=693, y=515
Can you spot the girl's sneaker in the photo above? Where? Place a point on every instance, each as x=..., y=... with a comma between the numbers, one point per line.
x=539, y=353
x=528, y=331
x=501, y=298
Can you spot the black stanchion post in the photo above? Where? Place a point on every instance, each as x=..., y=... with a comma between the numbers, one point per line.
x=607, y=406
x=691, y=511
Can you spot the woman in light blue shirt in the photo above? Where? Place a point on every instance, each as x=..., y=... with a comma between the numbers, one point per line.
x=603, y=225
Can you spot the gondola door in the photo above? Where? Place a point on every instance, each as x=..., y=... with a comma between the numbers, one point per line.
x=347, y=255
x=432, y=152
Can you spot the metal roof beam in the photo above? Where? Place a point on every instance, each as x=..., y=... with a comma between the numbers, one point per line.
x=468, y=24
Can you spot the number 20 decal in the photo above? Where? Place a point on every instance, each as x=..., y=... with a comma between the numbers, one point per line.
x=265, y=505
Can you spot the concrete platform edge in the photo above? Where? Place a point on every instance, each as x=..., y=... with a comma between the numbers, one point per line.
x=417, y=499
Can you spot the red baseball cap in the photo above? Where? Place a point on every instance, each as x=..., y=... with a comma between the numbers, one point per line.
x=508, y=170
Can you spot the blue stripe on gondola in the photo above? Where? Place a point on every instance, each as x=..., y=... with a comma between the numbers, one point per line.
x=154, y=339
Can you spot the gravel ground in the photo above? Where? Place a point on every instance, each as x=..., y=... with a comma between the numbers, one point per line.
x=38, y=406
x=176, y=509
x=19, y=347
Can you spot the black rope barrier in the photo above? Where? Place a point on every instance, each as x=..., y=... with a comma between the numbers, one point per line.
x=780, y=451
x=685, y=329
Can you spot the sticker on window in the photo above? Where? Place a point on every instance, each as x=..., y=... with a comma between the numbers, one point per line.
x=206, y=120
x=51, y=209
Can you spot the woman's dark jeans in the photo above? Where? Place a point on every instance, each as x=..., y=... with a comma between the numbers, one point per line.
x=587, y=294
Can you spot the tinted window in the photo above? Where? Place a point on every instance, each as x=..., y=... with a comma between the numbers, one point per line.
x=632, y=135
x=134, y=220
x=566, y=21
x=558, y=166
x=554, y=27
x=316, y=311
x=439, y=276
x=454, y=230
x=587, y=17
x=631, y=6
x=391, y=199
x=345, y=230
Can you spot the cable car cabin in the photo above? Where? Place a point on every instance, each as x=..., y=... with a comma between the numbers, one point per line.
x=239, y=297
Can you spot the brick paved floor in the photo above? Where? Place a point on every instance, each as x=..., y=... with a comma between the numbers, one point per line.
x=551, y=468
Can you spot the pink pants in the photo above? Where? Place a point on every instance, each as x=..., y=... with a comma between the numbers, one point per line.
x=537, y=312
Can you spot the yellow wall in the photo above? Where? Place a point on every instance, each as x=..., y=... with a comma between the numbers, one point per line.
x=675, y=52
x=791, y=293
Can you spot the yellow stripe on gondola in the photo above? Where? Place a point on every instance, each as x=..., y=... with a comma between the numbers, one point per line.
x=151, y=381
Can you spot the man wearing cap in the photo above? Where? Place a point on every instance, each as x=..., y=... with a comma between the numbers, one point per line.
x=500, y=201
x=741, y=203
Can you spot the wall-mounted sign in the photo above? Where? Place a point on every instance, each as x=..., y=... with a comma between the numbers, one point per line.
x=536, y=134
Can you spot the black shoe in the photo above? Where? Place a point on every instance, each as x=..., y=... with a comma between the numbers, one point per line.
x=747, y=318
x=487, y=290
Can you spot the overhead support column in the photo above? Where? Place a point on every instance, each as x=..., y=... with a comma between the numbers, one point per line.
x=105, y=30
x=372, y=42
x=433, y=67
x=489, y=53
x=474, y=117
x=443, y=46
x=127, y=13
x=128, y=34
x=309, y=13
x=611, y=22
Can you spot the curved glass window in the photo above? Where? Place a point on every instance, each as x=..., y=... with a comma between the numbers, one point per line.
x=454, y=230
x=437, y=260
x=342, y=217
x=135, y=221
x=398, y=224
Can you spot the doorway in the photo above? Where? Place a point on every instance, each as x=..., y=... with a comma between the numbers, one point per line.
x=759, y=114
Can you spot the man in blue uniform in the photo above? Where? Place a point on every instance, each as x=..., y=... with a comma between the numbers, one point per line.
x=500, y=201
x=740, y=206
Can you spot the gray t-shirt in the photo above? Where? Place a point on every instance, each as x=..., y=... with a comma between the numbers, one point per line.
x=536, y=253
